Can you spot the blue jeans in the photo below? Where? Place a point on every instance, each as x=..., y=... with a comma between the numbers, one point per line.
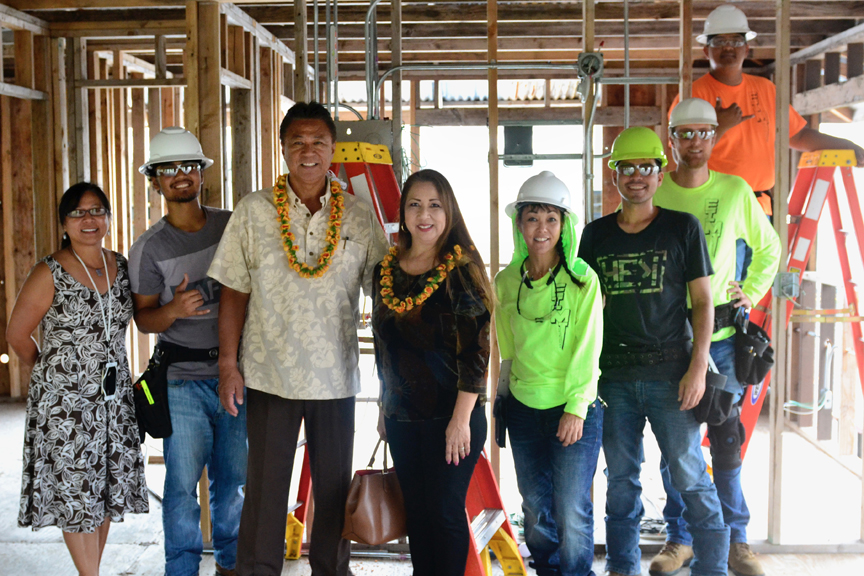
x=629, y=404
x=728, y=481
x=555, y=484
x=204, y=434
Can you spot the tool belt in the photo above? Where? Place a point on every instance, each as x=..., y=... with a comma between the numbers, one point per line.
x=754, y=356
x=150, y=391
x=724, y=316
x=643, y=356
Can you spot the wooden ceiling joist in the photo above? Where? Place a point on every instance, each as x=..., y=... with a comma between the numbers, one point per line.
x=17, y=20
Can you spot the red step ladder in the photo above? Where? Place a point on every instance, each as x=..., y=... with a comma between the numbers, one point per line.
x=298, y=511
x=814, y=185
x=368, y=168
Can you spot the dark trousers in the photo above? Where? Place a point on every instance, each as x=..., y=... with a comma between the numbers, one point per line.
x=273, y=424
x=434, y=492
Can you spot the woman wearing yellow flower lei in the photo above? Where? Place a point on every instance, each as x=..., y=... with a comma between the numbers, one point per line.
x=431, y=319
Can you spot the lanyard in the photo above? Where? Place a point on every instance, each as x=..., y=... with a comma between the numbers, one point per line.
x=106, y=320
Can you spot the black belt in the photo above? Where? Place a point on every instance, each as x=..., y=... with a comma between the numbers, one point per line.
x=171, y=353
x=724, y=316
x=643, y=357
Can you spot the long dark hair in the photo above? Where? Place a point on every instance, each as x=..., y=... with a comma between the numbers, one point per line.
x=70, y=200
x=455, y=232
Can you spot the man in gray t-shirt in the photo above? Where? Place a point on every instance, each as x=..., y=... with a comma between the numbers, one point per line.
x=174, y=297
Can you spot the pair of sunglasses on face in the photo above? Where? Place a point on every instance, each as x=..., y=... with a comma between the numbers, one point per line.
x=717, y=42
x=172, y=170
x=690, y=134
x=643, y=169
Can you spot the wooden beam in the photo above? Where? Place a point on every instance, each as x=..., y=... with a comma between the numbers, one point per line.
x=122, y=28
x=241, y=143
x=17, y=20
x=232, y=80
x=19, y=92
x=78, y=107
x=210, y=99
x=61, y=135
x=604, y=115
x=301, y=84
x=825, y=98
x=160, y=57
x=836, y=41
x=16, y=148
x=269, y=120
x=685, y=68
x=132, y=83
x=155, y=119
x=121, y=185
x=191, y=67
x=782, y=172
x=265, y=37
x=414, y=158
x=96, y=122
x=45, y=198
x=141, y=347
x=23, y=44
x=494, y=215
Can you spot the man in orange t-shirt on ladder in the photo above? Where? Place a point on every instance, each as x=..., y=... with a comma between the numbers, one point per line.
x=746, y=107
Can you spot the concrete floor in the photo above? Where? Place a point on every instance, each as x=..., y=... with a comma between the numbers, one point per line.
x=135, y=546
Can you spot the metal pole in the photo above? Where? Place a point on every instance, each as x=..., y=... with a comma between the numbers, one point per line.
x=371, y=61
x=626, y=63
x=317, y=91
x=335, y=59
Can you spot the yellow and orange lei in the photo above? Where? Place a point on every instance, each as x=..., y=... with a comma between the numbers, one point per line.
x=331, y=242
x=451, y=260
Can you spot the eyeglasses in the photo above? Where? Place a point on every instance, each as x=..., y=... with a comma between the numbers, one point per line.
x=644, y=169
x=171, y=171
x=718, y=42
x=100, y=211
x=690, y=134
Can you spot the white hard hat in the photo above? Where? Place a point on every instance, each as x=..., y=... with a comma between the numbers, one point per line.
x=725, y=19
x=544, y=188
x=693, y=111
x=174, y=144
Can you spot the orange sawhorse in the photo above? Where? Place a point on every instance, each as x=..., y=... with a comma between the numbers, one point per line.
x=814, y=186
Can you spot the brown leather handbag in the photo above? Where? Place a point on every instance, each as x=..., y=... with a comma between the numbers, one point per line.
x=374, y=511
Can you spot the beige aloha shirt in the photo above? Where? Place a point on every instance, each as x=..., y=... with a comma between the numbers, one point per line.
x=300, y=336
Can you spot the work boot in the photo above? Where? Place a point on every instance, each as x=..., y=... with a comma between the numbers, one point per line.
x=220, y=571
x=742, y=560
x=671, y=559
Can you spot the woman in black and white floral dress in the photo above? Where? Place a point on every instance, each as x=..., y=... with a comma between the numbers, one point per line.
x=83, y=466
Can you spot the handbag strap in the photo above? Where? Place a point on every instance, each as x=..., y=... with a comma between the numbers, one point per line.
x=375, y=451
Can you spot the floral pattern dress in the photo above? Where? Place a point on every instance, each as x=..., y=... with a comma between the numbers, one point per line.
x=82, y=459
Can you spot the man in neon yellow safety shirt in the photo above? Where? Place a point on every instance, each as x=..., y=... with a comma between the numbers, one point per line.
x=728, y=210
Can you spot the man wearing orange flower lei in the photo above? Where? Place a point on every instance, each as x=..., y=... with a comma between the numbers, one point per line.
x=292, y=261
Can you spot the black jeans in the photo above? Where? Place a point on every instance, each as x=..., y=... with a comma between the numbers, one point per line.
x=434, y=491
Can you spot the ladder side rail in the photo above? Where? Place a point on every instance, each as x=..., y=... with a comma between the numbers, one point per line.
x=799, y=195
x=851, y=294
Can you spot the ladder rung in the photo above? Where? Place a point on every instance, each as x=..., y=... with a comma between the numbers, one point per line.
x=485, y=524
x=294, y=506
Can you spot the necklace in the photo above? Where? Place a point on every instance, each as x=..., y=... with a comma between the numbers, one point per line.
x=337, y=207
x=432, y=282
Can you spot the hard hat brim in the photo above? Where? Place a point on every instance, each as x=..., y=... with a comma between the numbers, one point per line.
x=205, y=162
x=510, y=209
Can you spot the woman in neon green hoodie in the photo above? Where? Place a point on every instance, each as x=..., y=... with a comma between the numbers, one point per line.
x=549, y=319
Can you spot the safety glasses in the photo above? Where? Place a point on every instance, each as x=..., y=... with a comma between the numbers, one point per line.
x=630, y=169
x=100, y=211
x=690, y=134
x=718, y=42
x=171, y=170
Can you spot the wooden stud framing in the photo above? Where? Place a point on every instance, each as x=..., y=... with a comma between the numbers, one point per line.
x=97, y=161
x=268, y=121
x=301, y=42
x=18, y=210
x=141, y=349
x=154, y=125
x=209, y=97
x=45, y=198
x=494, y=256
x=120, y=188
x=778, y=388
x=190, y=66
x=61, y=135
x=241, y=143
x=79, y=117
x=685, y=67
x=414, y=159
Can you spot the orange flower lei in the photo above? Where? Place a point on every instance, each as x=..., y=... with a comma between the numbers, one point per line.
x=432, y=282
x=331, y=242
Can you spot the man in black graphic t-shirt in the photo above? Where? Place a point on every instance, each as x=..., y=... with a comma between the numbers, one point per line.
x=649, y=261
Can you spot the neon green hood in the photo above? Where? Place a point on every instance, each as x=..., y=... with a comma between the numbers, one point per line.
x=569, y=239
